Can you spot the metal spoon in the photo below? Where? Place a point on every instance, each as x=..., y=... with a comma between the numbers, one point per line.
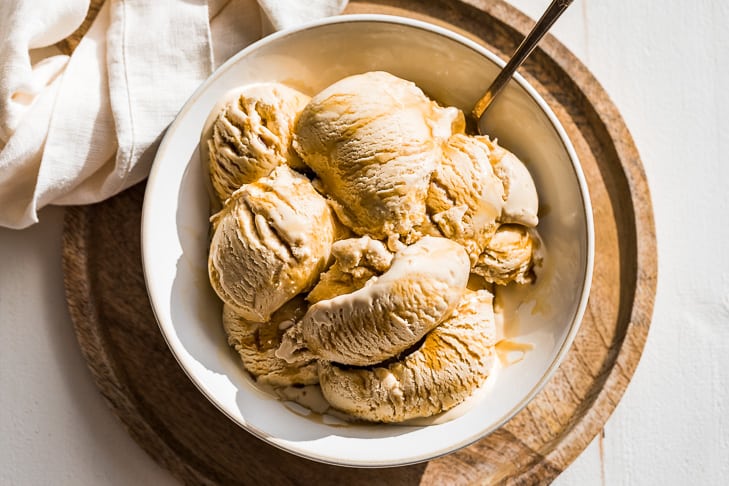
x=549, y=17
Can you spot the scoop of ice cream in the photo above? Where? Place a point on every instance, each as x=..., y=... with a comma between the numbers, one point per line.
x=465, y=198
x=374, y=140
x=388, y=315
x=257, y=342
x=509, y=256
x=270, y=242
x=356, y=261
x=453, y=360
x=521, y=202
x=251, y=135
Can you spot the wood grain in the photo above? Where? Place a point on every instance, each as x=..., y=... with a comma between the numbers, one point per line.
x=176, y=425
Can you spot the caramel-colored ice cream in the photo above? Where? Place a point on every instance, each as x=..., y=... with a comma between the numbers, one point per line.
x=374, y=140
x=257, y=342
x=391, y=318
x=521, y=202
x=357, y=260
x=271, y=241
x=465, y=198
x=453, y=360
x=251, y=135
x=372, y=324
x=509, y=256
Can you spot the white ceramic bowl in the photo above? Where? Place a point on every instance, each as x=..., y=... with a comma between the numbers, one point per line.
x=454, y=71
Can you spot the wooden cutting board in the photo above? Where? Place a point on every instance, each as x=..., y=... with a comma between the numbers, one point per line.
x=178, y=427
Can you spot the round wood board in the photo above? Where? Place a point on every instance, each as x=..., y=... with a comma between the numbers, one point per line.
x=178, y=427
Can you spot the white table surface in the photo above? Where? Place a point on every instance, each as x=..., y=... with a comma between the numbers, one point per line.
x=665, y=63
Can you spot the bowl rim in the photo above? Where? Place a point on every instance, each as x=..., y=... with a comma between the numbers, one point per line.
x=531, y=92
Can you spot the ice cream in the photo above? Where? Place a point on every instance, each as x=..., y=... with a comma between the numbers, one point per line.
x=392, y=316
x=521, y=201
x=256, y=343
x=375, y=323
x=374, y=140
x=251, y=135
x=270, y=242
x=509, y=256
x=453, y=360
x=357, y=260
x=465, y=198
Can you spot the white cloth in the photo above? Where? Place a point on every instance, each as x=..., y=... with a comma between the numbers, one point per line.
x=79, y=129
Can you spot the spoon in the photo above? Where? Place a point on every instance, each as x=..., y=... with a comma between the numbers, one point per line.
x=549, y=17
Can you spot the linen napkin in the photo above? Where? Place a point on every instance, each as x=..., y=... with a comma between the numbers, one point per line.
x=79, y=129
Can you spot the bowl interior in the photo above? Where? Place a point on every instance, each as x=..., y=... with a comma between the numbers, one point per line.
x=453, y=71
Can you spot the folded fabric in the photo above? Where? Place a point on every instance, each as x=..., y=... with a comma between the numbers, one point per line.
x=79, y=129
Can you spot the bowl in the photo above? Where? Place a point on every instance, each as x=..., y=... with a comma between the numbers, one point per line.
x=452, y=70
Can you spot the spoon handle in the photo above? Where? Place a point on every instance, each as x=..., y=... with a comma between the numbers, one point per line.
x=548, y=18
